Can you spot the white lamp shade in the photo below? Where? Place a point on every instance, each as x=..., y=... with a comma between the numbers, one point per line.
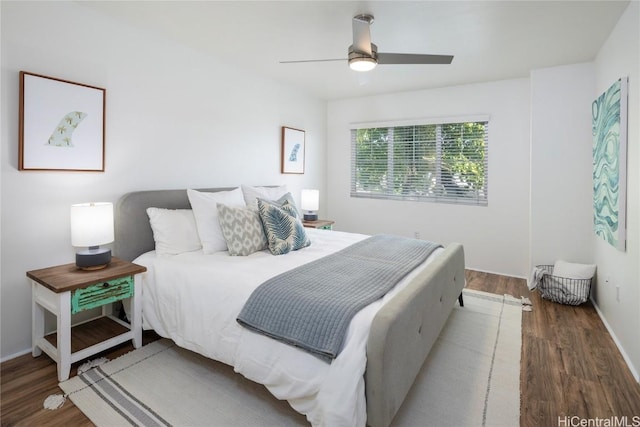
x=310, y=200
x=91, y=224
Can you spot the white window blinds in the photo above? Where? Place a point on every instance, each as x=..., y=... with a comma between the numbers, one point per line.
x=441, y=162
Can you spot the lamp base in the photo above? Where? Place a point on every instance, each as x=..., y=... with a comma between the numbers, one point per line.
x=93, y=259
x=310, y=217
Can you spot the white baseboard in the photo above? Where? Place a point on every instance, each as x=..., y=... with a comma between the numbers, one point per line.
x=626, y=358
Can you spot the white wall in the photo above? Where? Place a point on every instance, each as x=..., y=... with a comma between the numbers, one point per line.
x=561, y=164
x=495, y=237
x=620, y=56
x=174, y=119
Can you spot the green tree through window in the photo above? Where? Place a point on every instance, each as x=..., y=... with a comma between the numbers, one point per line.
x=433, y=162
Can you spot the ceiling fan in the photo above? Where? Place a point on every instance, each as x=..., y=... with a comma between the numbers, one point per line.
x=364, y=56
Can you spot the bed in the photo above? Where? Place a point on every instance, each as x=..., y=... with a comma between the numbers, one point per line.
x=400, y=335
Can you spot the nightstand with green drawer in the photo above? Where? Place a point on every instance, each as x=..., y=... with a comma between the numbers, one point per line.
x=320, y=224
x=65, y=290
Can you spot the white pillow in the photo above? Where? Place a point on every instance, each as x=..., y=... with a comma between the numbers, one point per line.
x=573, y=271
x=251, y=194
x=174, y=230
x=205, y=211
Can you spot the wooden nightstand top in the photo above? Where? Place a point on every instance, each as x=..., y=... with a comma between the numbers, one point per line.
x=320, y=223
x=68, y=277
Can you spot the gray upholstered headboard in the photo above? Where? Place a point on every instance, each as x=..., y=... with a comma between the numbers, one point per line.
x=133, y=235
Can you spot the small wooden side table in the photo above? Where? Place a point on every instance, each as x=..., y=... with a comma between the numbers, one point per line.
x=322, y=224
x=65, y=290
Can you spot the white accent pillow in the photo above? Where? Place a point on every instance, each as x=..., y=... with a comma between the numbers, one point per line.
x=252, y=194
x=573, y=270
x=174, y=230
x=205, y=210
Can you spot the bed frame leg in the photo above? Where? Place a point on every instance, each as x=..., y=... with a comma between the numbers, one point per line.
x=460, y=300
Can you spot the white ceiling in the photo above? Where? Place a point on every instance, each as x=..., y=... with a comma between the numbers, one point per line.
x=491, y=40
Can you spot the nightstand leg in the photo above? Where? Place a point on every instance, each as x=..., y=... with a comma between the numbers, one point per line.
x=64, y=336
x=136, y=311
x=37, y=323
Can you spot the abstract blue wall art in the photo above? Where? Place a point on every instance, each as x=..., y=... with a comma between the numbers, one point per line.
x=609, y=129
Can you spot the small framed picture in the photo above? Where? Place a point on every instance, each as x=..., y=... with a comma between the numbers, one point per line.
x=292, y=150
x=62, y=125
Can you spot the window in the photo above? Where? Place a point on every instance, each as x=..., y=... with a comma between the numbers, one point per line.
x=441, y=162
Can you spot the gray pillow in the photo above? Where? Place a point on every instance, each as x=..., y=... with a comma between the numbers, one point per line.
x=242, y=230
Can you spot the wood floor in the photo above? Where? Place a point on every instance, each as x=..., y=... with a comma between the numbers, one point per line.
x=570, y=367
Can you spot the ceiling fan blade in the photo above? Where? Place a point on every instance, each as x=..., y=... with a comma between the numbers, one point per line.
x=362, y=34
x=410, y=58
x=312, y=60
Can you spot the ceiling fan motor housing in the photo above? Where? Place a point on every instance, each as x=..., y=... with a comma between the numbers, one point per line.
x=354, y=53
x=361, y=61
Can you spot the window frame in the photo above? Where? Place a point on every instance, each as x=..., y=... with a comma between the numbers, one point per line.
x=482, y=194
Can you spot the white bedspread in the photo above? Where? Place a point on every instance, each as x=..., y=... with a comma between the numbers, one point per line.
x=194, y=299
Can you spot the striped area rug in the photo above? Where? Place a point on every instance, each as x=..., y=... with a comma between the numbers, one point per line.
x=471, y=378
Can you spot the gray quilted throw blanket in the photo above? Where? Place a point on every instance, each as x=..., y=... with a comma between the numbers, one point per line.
x=311, y=306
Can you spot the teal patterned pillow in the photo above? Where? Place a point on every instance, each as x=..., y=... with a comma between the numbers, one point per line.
x=285, y=198
x=242, y=230
x=285, y=232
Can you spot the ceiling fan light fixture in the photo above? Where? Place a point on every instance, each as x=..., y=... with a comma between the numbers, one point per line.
x=362, y=64
x=363, y=61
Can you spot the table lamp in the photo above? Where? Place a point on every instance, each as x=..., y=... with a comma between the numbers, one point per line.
x=92, y=226
x=310, y=202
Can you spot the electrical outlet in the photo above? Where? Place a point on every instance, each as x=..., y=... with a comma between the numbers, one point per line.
x=416, y=234
x=618, y=293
